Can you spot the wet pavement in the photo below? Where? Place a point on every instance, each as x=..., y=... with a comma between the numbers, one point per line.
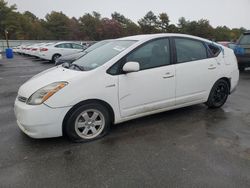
x=188, y=147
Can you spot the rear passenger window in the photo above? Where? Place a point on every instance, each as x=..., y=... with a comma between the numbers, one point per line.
x=152, y=54
x=189, y=50
x=64, y=45
x=77, y=46
x=215, y=50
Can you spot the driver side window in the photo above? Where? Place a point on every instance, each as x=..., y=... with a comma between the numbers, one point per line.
x=152, y=54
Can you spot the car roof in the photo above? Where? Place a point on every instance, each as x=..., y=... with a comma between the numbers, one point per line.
x=62, y=42
x=159, y=35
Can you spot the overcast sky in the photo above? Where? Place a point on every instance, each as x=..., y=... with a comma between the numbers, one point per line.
x=232, y=13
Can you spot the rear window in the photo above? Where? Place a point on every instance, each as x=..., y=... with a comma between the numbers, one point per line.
x=245, y=39
x=214, y=49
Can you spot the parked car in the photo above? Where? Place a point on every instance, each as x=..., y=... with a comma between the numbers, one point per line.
x=227, y=44
x=243, y=51
x=33, y=50
x=16, y=49
x=53, y=51
x=125, y=79
x=71, y=58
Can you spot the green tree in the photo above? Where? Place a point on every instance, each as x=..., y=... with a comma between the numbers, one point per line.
x=163, y=22
x=8, y=19
x=90, y=24
x=149, y=23
x=58, y=25
x=128, y=26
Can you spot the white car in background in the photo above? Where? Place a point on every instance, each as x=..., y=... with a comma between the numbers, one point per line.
x=122, y=80
x=33, y=49
x=53, y=51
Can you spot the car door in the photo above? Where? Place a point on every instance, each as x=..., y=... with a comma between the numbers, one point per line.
x=67, y=49
x=153, y=87
x=196, y=72
x=77, y=48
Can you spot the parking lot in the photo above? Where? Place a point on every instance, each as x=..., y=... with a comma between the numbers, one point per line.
x=188, y=147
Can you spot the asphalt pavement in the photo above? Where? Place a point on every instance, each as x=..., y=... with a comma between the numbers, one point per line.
x=188, y=147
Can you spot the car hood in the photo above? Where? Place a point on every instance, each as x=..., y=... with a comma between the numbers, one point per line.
x=47, y=77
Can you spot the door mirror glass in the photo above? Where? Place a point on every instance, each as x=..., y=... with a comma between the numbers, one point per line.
x=131, y=67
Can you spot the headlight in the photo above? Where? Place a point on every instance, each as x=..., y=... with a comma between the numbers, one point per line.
x=45, y=93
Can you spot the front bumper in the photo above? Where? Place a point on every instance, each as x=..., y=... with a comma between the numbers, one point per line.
x=39, y=121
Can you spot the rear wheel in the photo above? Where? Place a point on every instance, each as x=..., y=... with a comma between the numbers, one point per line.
x=88, y=122
x=218, y=95
x=55, y=57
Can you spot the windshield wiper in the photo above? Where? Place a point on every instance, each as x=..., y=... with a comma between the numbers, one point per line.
x=77, y=66
x=69, y=65
x=66, y=65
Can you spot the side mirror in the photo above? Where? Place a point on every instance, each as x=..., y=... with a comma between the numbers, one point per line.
x=131, y=67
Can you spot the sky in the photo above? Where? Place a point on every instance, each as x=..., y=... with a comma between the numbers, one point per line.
x=219, y=12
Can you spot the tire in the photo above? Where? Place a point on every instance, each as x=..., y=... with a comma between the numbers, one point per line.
x=55, y=57
x=83, y=121
x=218, y=95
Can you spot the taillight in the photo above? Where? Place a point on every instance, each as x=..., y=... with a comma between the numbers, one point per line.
x=34, y=49
x=43, y=49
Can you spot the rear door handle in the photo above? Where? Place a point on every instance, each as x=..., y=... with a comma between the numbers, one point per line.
x=211, y=67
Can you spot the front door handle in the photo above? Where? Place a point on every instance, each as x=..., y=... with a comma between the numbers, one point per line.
x=168, y=75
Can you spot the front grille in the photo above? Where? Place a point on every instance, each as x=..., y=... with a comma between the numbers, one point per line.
x=22, y=99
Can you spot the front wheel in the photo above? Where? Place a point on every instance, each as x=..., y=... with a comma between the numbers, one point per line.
x=218, y=95
x=88, y=122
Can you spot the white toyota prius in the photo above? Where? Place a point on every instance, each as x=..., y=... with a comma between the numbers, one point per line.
x=125, y=79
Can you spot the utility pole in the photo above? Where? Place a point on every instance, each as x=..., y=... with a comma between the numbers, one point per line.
x=6, y=37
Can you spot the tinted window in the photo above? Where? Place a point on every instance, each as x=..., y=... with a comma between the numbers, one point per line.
x=77, y=46
x=64, y=45
x=103, y=54
x=215, y=50
x=189, y=50
x=245, y=39
x=152, y=54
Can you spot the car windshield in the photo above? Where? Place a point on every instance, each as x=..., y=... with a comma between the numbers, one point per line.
x=103, y=54
x=97, y=45
x=245, y=39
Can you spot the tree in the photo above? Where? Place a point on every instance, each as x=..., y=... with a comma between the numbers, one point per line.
x=110, y=29
x=74, y=30
x=163, y=22
x=90, y=24
x=8, y=19
x=148, y=23
x=128, y=26
x=58, y=24
x=201, y=28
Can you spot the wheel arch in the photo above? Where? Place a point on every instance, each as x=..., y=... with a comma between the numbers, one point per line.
x=228, y=80
x=89, y=101
x=54, y=55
